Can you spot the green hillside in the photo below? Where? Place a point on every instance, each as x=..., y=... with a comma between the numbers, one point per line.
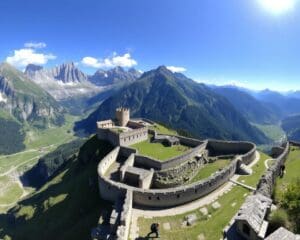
x=26, y=101
x=12, y=135
x=251, y=108
x=67, y=206
x=291, y=126
x=178, y=102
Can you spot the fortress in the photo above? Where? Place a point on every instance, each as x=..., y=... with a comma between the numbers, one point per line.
x=127, y=177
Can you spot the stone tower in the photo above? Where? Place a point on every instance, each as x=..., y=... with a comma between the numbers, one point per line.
x=122, y=115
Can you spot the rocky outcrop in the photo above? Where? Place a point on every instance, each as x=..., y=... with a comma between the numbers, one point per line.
x=63, y=81
x=117, y=75
x=26, y=101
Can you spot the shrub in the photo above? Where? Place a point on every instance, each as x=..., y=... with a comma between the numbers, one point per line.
x=277, y=219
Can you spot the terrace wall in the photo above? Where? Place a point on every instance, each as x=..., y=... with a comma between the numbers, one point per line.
x=267, y=181
x=111, y=190
x=147, y=162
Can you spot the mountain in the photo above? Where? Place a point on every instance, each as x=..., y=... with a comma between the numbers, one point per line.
x=117, y=75
x=291, y=125
x=26, y=101
x=293, y=94
x=179, y=102
x=63, y=81
x=23, y=104
x=284, y=105
x=252, y=109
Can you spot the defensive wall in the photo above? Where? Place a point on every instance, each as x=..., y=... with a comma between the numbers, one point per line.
x=125, y=218
x=267, y=181
x=110, y=190
x=124, y=138
x=264, y=188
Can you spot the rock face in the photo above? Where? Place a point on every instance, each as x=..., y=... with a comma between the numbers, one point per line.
x=117, y=75
x=25, y=100
x=62, y=81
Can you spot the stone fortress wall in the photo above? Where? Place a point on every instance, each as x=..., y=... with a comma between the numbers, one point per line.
x=262, y=194
x=125, y=218
x=267, y=181
x=111, y=190
x=123, y=138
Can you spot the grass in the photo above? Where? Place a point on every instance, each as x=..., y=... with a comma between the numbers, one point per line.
x=10, y=191
x=211, y=227
x=38, y=143
x=292, y=167
x=258, y=171
x=274, y=132
x=67, y=207
x=117, y=130
x=209, y=169
x=162, y=129
x=56, y=135
x=158, y=150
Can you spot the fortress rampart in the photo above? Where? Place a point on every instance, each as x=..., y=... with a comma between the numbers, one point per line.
x=267, y=181
x=124, y=138
x=148, y=162
x=110, y=190
x=125, y=218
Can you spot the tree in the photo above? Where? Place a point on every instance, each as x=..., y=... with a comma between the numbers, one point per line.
x=291, y=202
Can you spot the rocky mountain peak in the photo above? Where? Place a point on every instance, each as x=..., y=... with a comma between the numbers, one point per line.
x=31, y=68
x=68, y=73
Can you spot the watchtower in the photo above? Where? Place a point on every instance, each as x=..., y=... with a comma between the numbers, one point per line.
x=122, y=116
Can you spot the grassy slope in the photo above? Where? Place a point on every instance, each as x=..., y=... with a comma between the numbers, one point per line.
x=67, y=207
x=37, y=144
x=291, y=172
x=210, y=227
x=209, y=169
x=273, y=132
x=161, y=152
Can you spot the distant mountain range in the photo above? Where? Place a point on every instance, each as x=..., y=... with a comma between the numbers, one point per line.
x=67, y=81
x=63, y=81
x=117, y=75
x=254, y=110
x=23, y=103
x=40, y=96
x=291, y=125
x=25, y=100
x=175, y=100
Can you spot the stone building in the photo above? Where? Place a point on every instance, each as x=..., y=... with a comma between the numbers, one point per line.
x=123, y=131
x=250, y=220
x=122, y=116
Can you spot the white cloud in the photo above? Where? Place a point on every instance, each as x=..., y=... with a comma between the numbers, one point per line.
x=116, y=60
x=23, y=57
x=35, y=45
x=176, y=69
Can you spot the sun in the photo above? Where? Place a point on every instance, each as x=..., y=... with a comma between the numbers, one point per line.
x=278, y=6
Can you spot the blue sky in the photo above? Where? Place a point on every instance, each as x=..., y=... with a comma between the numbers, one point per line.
x=245, y=42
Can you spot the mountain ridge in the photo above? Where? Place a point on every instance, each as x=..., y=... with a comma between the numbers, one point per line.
x=180, y=102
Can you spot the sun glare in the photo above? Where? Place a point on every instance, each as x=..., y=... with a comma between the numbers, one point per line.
x=278, y=6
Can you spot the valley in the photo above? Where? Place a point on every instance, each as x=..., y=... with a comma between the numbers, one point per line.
x=38, y=182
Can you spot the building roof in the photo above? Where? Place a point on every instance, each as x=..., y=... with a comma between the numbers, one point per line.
x=254, y=210
x=283, y=234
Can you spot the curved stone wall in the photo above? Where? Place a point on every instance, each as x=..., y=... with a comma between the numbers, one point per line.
x=246, y=150
x=111, y=190
x=148, y=162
